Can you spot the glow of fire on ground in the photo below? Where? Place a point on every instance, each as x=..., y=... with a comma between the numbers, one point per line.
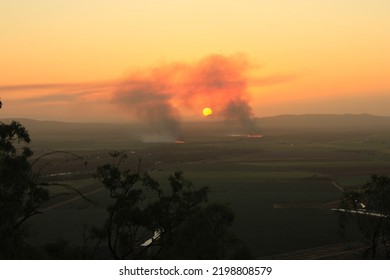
x=246, y=135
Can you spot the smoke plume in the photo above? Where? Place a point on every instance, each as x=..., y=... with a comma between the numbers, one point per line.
x=159, y=95
x=152, y=106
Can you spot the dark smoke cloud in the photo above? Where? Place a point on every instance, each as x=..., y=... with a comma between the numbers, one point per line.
x=240, y=112
x=152, y=107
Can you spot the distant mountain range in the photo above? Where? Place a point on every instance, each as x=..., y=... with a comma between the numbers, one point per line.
x=347, y=121
x=64, y=130
x=282, y=122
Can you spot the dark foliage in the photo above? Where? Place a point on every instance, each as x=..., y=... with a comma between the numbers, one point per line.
x=20, y=196
x=178, y=224
x=369, y=209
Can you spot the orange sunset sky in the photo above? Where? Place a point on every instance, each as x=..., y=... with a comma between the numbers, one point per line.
x=107, y=60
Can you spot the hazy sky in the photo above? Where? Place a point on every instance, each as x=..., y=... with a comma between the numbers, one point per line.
x=92, y=60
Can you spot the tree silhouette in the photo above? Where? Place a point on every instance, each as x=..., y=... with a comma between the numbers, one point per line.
x=369, y=209
x=20, y=195
x=21, y=192
x=145, y=222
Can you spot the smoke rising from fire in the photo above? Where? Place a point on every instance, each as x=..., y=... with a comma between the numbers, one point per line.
x=159, y=95
x=152, y=106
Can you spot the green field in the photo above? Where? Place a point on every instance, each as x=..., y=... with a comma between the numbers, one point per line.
x=280, y=186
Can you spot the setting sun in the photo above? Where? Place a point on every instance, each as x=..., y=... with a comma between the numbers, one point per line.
x=207, y=111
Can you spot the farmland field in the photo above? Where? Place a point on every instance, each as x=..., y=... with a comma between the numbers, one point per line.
x=281, y=186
